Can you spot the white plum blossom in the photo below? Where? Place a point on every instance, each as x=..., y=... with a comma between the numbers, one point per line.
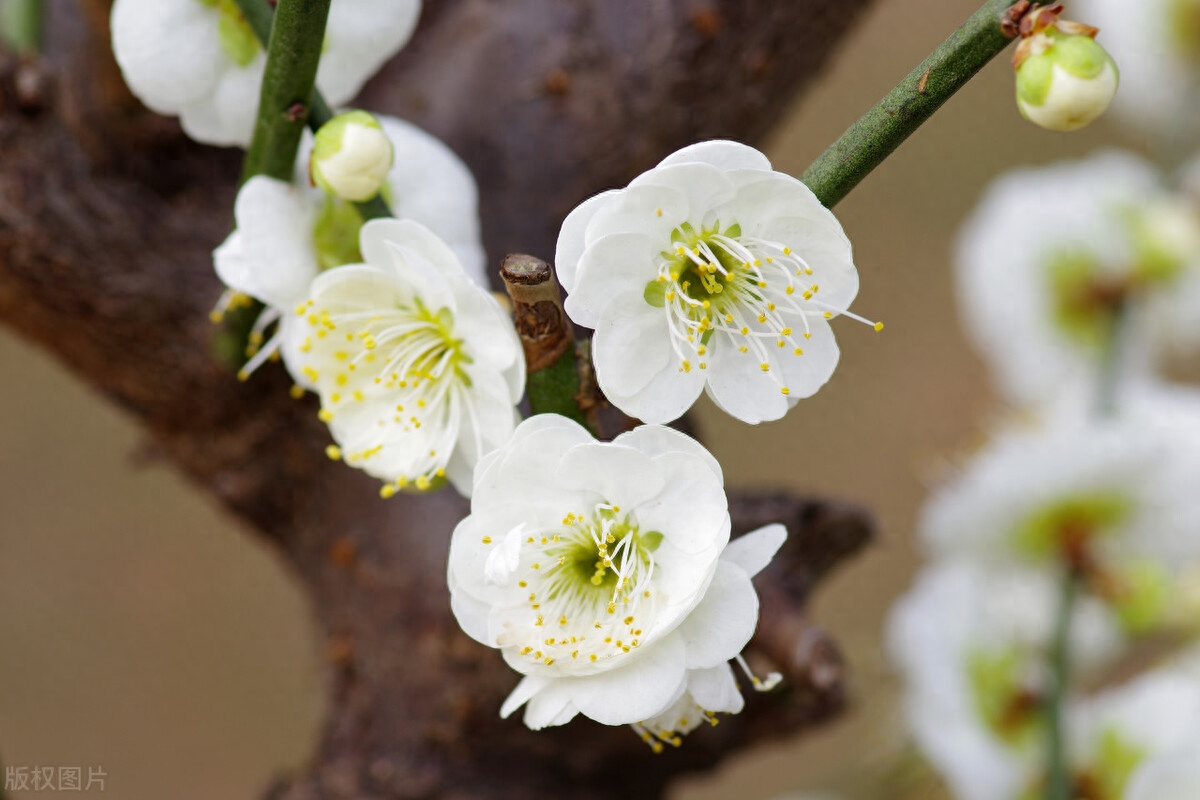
x=288, y=233
x=604, y=574
x=709, y=272
x=1046, y=253
x=1171, y=777
x=200, y=60
x=418, y=368
x=969, y=642
x=1114, y=734
x=1114, y=500
x=1157, y=45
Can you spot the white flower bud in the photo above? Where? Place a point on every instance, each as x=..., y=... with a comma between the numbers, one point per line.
x=351, y=156
x=1064, y=78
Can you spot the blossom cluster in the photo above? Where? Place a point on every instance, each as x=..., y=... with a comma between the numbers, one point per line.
x=604, y=572
x=1076, y=528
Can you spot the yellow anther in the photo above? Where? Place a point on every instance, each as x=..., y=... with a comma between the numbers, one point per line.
x=828, y=315
x=243, y=375
x=878, y=326
x=522, y=584
x=762, y=317
x=787, y=251
x=334, y=452
x=745, y=330
x=785, y=390
x=765, y=367
x=540, y=620
x=562, y=620
x=526, y=650
x=486, y=540
x=325, y=415
x=799, y=351
x=629, y=620
x=296, y=392
x=658, y=211
x=592, y=656
x=574, y=654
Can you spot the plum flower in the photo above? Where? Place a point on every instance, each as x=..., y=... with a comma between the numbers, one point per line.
x=1157, y=44
x=969, y=643
x=288, y=233
x=604, y=574
x=200, y=60
x=1114, y=501
x=711, y=271
x=418, y=368
x=1048, y=253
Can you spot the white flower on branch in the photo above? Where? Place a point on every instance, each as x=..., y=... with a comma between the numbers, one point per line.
x=200, y=60
x=1175, y=776
x=1065, y=80
x=1157, y=45
x=1050, y=252
x=969, y=642
x=1114, y=501
x=419, y=369
x=604, y=574
x=288, y=233
x=710, y=271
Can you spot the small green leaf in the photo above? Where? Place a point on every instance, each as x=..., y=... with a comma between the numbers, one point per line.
x=655, y=293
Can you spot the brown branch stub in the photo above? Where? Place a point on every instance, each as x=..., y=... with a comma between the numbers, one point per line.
x=537, y=310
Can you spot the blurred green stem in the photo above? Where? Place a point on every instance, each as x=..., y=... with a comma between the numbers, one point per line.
x=874, y=137
x=1058, y=775
x=21, y=25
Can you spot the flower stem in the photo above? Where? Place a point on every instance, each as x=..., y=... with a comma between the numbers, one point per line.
x=293, y=53
x=553, y=383
x=1058, y=777
x=876, y=134
x=21, y=25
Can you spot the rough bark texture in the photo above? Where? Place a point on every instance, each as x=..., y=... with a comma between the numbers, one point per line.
x=107, y=220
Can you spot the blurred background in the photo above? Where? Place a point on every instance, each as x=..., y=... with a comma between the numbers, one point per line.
x=143, y=632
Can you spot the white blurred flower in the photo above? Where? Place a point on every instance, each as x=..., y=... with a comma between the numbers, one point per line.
x=1171, y=777
x=352, y=156
x=710, y=271
x=1115, y=500
x=1155, y=716
x=604, y=574
x=287, y=233
x=200, y=60
x=1047, y=250
x=418, y=368
x=1157, y=45
x=970, y=642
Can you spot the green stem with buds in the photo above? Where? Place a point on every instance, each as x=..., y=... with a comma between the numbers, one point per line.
x=21, y=25
x=877, y=134
x=293, y=53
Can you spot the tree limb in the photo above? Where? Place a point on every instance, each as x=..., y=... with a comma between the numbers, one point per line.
x=107, y=222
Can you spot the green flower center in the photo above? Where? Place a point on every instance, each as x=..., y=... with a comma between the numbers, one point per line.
x=1067, y=528
x=236, y=36
x=1009, y=710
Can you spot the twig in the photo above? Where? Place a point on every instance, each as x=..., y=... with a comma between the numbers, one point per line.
x=1058, y=777
x=553, y=378
x=876, y=134
x=293, y=53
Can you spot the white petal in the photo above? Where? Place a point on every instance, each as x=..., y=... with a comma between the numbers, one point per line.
x=168, y=51
x=549, y=707
x=613, y=265
x=633, y=342
x=721, y=625
x=470, y=613
x=637, y=691
x=572, y=237
x=720, y=153
x=753, y=551
x=529, y=686
x=738, y=385
x=666, y=398
x=622, y=475
x=715, y=689
x=805, y=374
x=707, y=189
x=271, y=255
x=655, y=440
x=359, y=37
x=503, y=560
x=652, y=211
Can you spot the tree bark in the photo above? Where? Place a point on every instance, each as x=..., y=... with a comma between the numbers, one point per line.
x=108, y=217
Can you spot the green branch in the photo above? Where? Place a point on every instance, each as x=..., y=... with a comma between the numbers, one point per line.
x=877, y=134
x=293, y=53
x=1058, y=775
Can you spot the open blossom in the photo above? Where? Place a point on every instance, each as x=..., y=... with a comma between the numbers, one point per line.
x=1157, y=44
x=1048, y=251
x=604, y=574
x=200, y=60
x=1114, y=500
x=709, y=272
x=1147, y=722
x=288, y=233
x=970, y=643
x=418, y=368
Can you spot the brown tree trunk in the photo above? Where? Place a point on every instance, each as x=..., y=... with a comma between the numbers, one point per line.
x=108, y=217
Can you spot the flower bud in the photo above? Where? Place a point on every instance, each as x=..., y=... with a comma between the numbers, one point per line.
x=1064, y=78
x=351, y=156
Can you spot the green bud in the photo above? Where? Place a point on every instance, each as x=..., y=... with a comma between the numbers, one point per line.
x=351, y=156
x=1064, y=80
